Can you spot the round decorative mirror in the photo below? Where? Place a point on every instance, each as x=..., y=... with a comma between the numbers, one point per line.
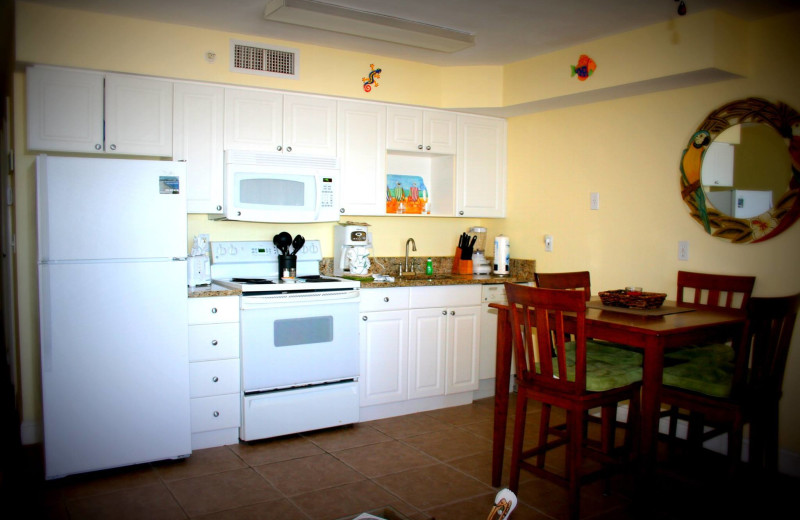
x=740, y=172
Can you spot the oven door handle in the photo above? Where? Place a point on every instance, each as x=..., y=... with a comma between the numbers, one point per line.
x=271, y=302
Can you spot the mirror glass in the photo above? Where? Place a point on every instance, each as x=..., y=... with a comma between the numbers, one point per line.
x=746, y=170
x=740, y=171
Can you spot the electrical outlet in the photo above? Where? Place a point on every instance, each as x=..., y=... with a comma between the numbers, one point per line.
x=594, y=200
x=548, y=243
x=683, y=250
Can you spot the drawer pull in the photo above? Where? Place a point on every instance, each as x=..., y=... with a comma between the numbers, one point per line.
x=386, y=299
x=213, y=310
x=214, y=342
x=215, y=379
x=216, y=413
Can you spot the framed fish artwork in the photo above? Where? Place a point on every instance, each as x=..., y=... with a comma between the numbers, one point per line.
x=406, y=194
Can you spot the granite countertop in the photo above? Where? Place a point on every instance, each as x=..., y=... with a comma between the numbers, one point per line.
x=520, y=271
x=205, y=291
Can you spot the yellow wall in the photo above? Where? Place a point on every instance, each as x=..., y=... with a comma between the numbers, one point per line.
x=626, y=149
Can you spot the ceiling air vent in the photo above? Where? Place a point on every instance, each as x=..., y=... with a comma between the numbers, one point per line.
x=253, y=58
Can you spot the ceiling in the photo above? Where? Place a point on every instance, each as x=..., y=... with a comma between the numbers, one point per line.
x=505, y=30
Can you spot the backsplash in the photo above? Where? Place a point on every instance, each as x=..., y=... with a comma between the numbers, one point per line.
x=441, y=264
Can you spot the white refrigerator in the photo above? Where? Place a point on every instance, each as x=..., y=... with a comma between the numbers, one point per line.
x=112, y=312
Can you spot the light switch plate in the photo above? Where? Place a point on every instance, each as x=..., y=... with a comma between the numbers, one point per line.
x=683, y=250
x=548, y=243
x=594, y=200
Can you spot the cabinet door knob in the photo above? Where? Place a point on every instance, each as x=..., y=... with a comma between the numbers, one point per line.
x=288, y=148
x=213, y=310
x=460, y=212
x=444, y=313
x=364, y=318
x=280, y=148
x=113, y=147
x=238, y=213
x=214, y=342
x=386, y=298
x=452, y=313
x=215, y=379
x=98, y=146
x=216, y=413
x=341, y=210
x=419, y=147
x=428, y=147
x=219, y=208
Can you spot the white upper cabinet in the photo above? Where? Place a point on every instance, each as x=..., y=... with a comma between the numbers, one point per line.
x=362, y=158
x=65, y=110
x=418, y=130
x=138, y=115
x=281, y=124
x=481, y=167
x=90, y=112
x=197, y=139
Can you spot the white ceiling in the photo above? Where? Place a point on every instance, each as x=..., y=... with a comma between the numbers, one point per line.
x=506, y=30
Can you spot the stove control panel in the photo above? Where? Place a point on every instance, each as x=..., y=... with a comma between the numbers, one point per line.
x=259, y=251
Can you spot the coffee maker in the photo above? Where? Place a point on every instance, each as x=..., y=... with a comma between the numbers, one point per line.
x=479, y=263
x=352, y=245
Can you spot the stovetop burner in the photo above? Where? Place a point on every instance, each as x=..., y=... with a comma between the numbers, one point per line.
x=251, y=280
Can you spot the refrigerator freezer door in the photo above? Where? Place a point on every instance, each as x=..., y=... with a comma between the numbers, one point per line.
x=110, y=209
x=115, y=370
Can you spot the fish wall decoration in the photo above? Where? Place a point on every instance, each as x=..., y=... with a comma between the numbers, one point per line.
x=584, y=68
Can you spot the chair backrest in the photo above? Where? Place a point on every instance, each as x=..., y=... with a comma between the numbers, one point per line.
x=543, y=310
x=716, y=291
x=770, y=325
x=573, y=280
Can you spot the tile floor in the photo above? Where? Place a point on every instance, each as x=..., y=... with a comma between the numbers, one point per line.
x=426, y=465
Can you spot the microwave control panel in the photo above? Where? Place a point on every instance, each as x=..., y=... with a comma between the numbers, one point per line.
x=326, y=197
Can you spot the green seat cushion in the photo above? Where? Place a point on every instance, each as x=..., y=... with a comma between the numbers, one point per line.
x=714, y=352
x=703, y=375
x=603, y=369
x=605, y=352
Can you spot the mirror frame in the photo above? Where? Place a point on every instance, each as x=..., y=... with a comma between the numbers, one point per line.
x=781, y=117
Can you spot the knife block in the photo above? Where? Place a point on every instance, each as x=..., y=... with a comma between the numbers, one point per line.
x=461, y=266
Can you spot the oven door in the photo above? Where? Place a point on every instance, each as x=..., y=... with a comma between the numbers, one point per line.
x=288, y=343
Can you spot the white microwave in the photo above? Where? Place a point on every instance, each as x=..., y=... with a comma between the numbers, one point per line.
x=262, y=187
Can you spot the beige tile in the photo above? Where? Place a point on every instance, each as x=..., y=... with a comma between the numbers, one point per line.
x=480, y=467
x=153, y=502
x=201, y=462
x=384, y=458
x=281, y=509
x=105, y=481
x=479, y=508
x=432, y=486
x=275, y=450
x=294, y=477
x=221, y=491
x=449, y=444
x=409, y=425
x=347, y=500
x=337, y=439
x=465, y=414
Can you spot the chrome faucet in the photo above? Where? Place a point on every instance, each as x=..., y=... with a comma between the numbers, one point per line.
x=414, y=248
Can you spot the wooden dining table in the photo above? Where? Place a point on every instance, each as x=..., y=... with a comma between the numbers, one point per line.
x=653, y=332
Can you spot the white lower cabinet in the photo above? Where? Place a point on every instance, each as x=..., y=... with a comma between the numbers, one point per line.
x=214, y=371
x=419, y=348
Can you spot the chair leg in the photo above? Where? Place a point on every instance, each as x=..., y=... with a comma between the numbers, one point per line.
x=672, y=434
x=519, y=434
x=608, y=423
x=544, y=428
x=574, y=460
x=735, y=444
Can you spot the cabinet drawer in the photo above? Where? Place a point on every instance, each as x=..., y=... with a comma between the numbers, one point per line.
x=214, y=377
x=389, y=299
x=214, y=341
x=217, y=309
x=215, y=413
x=450, y=296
